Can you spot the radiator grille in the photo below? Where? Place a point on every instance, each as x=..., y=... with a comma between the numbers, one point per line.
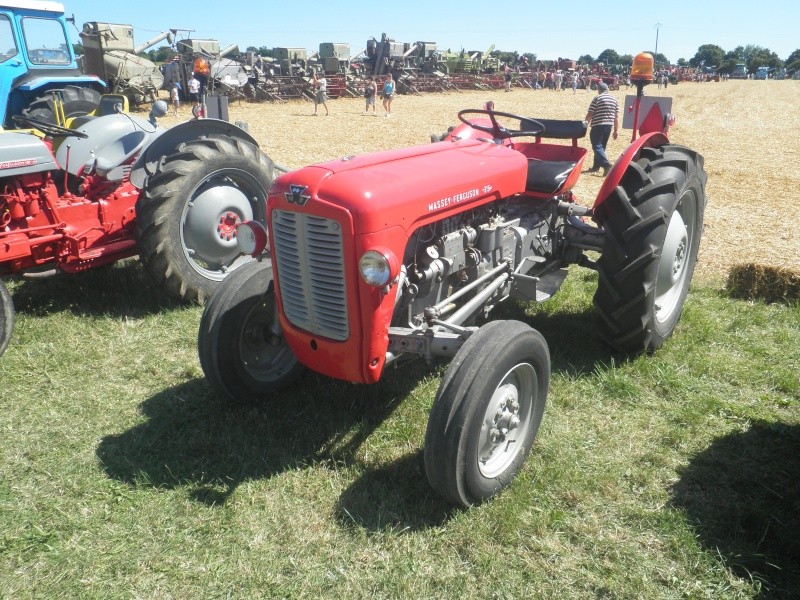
x=310, y=260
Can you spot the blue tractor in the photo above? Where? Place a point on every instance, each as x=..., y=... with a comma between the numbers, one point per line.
x=37, y=65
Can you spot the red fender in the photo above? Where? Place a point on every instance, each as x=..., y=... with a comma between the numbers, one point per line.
x=614, y=176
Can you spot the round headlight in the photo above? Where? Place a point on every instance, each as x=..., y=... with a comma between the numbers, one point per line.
x=251, y=237
x=376, y=267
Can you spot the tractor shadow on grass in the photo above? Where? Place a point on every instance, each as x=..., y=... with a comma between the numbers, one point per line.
x=742, y=495
x=192, y=440
x=123, y=289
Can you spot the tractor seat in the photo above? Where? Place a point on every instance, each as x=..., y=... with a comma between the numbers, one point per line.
x=548, y=176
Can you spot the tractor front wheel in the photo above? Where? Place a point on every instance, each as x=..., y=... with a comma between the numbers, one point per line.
x=6, y=317
x=487, y=412
x=77, y=102
x=653, y=224
x=187, y=216
x=242, y=350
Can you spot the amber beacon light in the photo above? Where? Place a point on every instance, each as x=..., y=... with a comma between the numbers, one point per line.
x=642, y=69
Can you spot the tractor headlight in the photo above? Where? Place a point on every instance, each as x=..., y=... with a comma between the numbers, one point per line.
x=378, y=267
x=251, y=237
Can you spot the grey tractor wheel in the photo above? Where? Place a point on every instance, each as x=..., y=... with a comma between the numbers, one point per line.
x=78, y=101
x=6, y=317
x=242, y=350
x=653, y=224
x=187, y=215
x=487, y=412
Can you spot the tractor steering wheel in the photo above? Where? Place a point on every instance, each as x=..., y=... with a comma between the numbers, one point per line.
x=46, y=127
x=497, y=130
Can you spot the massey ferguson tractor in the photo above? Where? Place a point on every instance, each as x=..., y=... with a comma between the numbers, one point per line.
x=404, y=253
x=112, y=186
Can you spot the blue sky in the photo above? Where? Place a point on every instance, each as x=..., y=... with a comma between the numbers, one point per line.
x=549, y=29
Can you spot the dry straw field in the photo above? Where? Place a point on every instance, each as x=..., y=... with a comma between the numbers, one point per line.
x=747, y=131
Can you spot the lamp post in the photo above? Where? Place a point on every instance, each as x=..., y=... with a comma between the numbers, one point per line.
x=657, y=27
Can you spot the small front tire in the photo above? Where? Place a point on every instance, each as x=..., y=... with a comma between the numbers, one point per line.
x=242, y=350
x=487, y=412
x=6, y=317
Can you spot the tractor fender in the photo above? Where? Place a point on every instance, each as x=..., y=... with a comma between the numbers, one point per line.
x=36, y=84
x=614, y=176
x=166, y=142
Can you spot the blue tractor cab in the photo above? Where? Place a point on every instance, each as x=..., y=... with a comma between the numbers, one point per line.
x=37, y=64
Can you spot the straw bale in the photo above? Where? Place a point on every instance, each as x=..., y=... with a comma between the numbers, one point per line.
x=760, y=282
x=746, y=130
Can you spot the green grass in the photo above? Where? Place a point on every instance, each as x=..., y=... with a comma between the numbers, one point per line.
x=665, y=476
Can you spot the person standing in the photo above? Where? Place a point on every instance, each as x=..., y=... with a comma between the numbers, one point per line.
x=175, y=98
x=388, y=95
x=320, y=92
x=603, y=116
x=201, y=73
x=575, y=82
x=369, y=95
x=507, y=77
x=194, y=96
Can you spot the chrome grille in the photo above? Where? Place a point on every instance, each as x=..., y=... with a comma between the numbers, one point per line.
x=310, y=260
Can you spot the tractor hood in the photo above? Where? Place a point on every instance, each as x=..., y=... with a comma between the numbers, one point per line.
x=408, y=186
x=22, y=153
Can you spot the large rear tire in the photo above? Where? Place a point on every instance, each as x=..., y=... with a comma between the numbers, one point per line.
x=6, y=317
x=487, y=412
x=78, y=101
x=186, y=218
x=242, y=350
x=653, y=226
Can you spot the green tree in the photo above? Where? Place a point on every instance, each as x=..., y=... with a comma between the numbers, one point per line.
x=609, y=57
x=729, y=61
x=682, y=62
x=77, y=49
x=793, y=61
x=661, y=60
x=756, y=56
x=626, y=59
x=707, y=55
x=585, y=59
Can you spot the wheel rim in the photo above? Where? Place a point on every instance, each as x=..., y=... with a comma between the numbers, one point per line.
x=263, y=352
x=506, y=421
x=674, y=264
x=215, y=206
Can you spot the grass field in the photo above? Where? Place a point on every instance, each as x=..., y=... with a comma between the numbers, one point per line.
x=669, y=476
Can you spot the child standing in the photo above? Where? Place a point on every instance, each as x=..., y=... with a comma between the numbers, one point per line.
x=388, y=95
x=369, y=95
x=174, y=98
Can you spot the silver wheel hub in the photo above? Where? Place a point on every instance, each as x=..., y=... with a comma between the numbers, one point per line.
x=673, y=266
x=210, y=217
x=506, y=421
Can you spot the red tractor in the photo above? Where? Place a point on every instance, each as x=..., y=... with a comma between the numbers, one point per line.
x=404, y=252
x=112, y=186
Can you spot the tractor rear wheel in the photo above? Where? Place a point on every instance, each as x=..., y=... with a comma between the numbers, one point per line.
x=186, y=218
x=487, y=412
x=6, y=317
x=653, y=225
x=78, y=101
x=242, y=350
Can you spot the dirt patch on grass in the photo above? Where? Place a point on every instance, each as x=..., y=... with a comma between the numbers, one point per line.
x=746, y=130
